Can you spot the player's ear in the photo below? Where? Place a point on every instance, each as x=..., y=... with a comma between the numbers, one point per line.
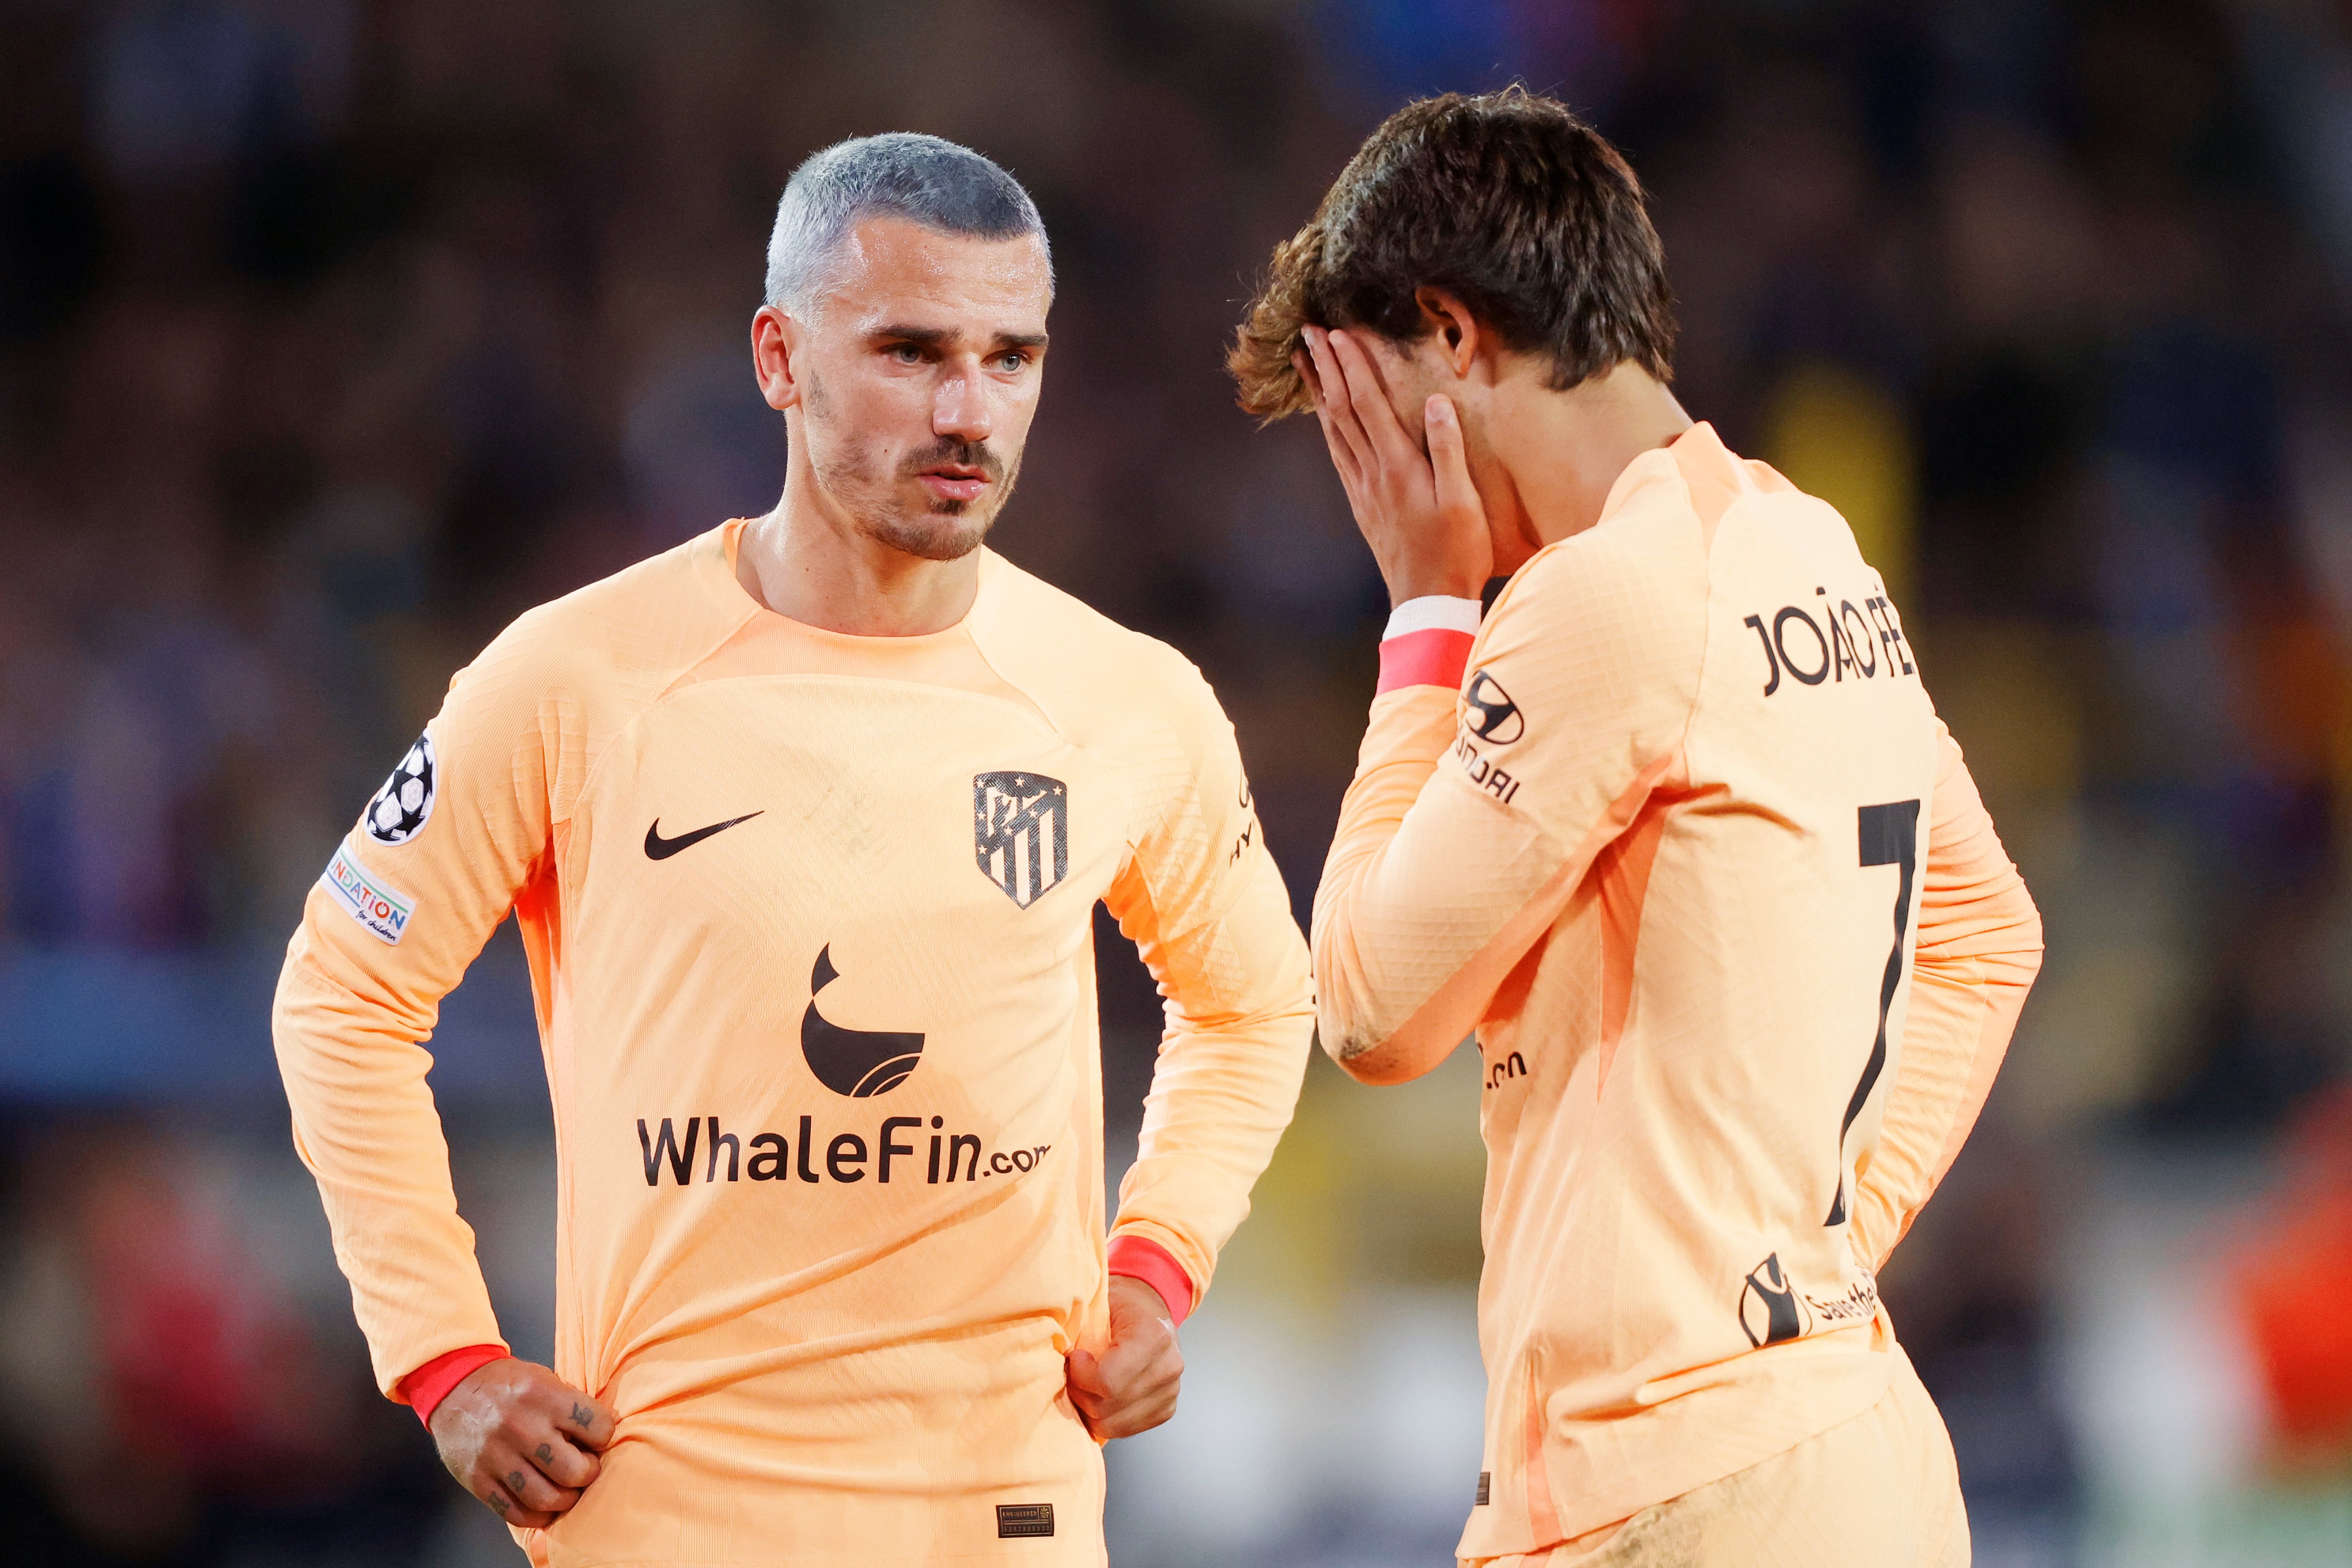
x=1456, y=333
x=775, y=339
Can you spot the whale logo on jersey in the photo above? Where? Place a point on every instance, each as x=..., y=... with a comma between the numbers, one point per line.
x=1490, y=713
x=858, y=1062
x=1770, y=1309
x=1021, y=832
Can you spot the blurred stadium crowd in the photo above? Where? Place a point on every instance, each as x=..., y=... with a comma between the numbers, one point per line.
x=333, y=333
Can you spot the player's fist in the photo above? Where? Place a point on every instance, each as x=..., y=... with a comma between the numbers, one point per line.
x=522, y=1440
x=1131, y=1386
x=1409, y=489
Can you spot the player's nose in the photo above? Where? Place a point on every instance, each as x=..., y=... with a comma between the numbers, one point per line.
x=960, y=411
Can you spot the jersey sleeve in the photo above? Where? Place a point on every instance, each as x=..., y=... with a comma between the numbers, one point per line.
x=404, y=906
x=1474, y=813
x=1204, y=904
x=1979, y=947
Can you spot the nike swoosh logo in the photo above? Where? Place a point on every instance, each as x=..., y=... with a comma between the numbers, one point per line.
x=661, y=849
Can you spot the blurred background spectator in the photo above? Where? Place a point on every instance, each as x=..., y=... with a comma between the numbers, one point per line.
x=335, y=332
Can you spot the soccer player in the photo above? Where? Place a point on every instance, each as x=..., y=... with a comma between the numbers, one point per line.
x=804, y=822
x=1675, y=830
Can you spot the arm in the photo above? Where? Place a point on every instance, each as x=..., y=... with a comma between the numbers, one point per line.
x=1203, y=903
x=1457, y=850
x=1979, y=947
x=391, y=927
x=1393, y=925
x=1460, y=843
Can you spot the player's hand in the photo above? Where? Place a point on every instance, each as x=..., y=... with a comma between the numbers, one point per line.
x=1410, y=490
x=1131, y=1386
x=522, y=1440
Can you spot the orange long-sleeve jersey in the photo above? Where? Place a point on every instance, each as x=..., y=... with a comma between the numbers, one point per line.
x=1692, y=852
x=809, y=919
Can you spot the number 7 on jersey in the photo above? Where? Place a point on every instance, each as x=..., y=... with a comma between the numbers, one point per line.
x=1889, y=835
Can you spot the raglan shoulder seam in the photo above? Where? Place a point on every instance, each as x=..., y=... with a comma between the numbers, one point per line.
x=644, y=704
x=1164, y=666
x=1173, y=680
x=580, y=665
x=1707, y=634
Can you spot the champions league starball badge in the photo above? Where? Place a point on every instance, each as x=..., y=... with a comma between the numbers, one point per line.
x=401, y=807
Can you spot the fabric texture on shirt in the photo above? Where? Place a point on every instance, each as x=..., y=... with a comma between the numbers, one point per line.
x=1690, y=852
x=1881, y=1489
x=809, y=919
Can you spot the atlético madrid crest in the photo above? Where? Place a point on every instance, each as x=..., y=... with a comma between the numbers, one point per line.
x=1021, y=832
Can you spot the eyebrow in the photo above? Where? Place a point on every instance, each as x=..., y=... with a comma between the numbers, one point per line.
x=932, y=337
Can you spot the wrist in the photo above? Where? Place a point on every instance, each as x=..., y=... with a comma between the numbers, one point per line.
x=1427, y=642
x=1144, y=1260
x=1407, y=586
x=1433, y=612
x=424, y=1389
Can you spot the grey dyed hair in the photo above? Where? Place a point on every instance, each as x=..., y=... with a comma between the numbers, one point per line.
x=901, y=174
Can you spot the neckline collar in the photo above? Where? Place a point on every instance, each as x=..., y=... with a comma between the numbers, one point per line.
x=716, y=554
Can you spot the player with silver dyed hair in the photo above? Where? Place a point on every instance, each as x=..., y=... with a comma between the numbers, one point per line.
x=902, y=174
x=804, y=823
x=946, y=222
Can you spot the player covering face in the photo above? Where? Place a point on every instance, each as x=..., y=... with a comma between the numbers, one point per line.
x=803, y=823
x=1675, y=829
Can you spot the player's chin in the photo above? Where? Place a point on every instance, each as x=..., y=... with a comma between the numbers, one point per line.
x=944, y=530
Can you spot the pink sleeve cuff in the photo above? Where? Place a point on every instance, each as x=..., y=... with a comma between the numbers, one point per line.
x=424, y=1389
x=1435, y=657
x=1139, y=1258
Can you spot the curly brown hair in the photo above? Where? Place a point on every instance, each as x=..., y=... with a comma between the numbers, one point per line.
x=1508, y=200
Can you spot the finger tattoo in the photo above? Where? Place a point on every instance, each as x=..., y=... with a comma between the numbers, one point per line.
x=546, y=1454
x=514, y=1482
x=499, y=1500
x=582, y=1418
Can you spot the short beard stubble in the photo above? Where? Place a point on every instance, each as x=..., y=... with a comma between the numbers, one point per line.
x=943, y=529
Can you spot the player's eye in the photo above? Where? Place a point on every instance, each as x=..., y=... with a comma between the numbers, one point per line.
x=905, y=353
x=1012, y=362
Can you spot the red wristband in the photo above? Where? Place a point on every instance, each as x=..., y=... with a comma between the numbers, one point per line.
x=1141, y=1257
x=424, y=1389
x=1435, y=657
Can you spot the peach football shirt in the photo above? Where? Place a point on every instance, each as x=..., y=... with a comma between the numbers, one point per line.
x=1691, y=851
x=810, y=926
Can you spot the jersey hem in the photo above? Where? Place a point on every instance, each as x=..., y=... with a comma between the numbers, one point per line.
x=1655, y=1482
